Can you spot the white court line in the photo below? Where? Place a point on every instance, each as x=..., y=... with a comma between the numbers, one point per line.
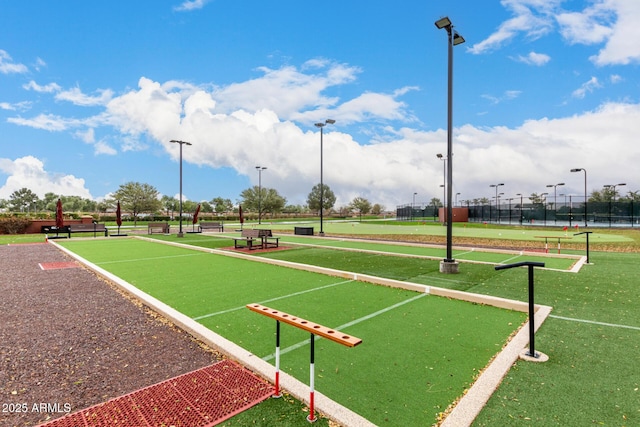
x=346, y=325
x=593, y=322
x=273, y=299
x=510, y=259
x=147, y=259
x=464, y=253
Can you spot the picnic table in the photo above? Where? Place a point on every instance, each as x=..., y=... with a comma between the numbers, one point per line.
x=546, y=241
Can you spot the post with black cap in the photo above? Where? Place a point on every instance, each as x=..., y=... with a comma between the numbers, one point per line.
x=587, y=233
x=531, y=354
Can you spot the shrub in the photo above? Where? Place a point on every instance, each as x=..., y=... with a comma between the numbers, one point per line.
x=13, y=225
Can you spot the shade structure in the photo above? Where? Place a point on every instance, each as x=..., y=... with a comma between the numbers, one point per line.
x=59, y=217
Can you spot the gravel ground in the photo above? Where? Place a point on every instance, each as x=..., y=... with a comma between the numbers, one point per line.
x=70, y=340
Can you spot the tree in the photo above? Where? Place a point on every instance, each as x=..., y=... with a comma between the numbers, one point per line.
x=50, y=200
x=328, y=198
x=361, y=205
x=137, y=198
x=206, y=207
x=377, y=209
x=221, y=205
x=633, y=196
x=23, y=198
x=267, y=200
x=189, y=207
x=605, y=195
x=537, y=199
x=170, y=205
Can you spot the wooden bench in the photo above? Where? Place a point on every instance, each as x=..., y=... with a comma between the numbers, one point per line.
x=268, y=239
x=247, y=239
x=211, y=226
x=158, y=227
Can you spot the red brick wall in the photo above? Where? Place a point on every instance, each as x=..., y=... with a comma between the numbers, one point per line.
x=458, y=214
x=36, y=225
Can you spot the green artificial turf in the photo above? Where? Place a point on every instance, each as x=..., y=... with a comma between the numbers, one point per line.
x=419, y=352
x=592, y=339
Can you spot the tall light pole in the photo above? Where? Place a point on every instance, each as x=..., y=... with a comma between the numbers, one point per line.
x=555, y=201
x=260, y=169
x=180, y=233
x=614, y=188
x=449, y=265
x=413, y=205
x=585, y=191
x=321, y=126
x=497, y=200
x=521, y=197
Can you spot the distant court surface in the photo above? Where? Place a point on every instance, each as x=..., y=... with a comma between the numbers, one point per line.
x=419, y=352
x=564, y=262
x=473, y=230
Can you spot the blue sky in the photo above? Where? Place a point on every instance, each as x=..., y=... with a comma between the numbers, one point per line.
x=91, y=93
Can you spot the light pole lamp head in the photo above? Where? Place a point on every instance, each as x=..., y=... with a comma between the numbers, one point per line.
x=180, y=142
x=457, y=39
x=560, y=183
x=439, y=155
x=443, y=23
x=326, y=122
x=576, y=169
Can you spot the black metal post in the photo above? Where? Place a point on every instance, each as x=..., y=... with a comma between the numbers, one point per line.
x=530, y=265
x=587, y=233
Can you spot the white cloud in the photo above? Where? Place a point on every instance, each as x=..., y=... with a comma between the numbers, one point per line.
x=613, y=22
x=49, y=88
x=189, y=5
x=622, y=46
x=87, y=136
x=532, y=17
x=587, y=86
x=534, y=58
x=589, y=26
x=101, y=147
x=615, y=78
x=76, y=97
x=19, y=106
x=506, y=96
x=39, y=64
x=7, y=66
x=29, y=172
x=287, y=91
